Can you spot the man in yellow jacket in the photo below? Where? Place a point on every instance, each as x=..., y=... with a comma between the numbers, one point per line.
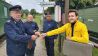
x=75, y=30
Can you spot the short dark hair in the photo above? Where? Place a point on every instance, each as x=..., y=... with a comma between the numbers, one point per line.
x=73, y=10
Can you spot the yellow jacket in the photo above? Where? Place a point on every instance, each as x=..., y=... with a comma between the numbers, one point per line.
x=80, y=33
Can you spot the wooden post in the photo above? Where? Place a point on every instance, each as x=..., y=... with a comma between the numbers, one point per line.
x=66, y=10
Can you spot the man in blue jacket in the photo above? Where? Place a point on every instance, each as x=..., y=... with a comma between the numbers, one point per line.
x=31, y=27
x=48, y=25
x=16, y=36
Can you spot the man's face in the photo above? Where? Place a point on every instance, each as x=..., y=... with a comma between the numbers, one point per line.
x=30, y=18
x=48, y=17
x=72, y=17
x=16, y=15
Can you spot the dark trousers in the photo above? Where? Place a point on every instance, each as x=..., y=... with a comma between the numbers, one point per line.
x=49, y=42
x=30, y=52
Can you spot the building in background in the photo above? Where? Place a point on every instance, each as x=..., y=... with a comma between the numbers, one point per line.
x=4, y=13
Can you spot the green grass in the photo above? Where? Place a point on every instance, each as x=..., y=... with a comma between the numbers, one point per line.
x=95, y=51
x=38, y=19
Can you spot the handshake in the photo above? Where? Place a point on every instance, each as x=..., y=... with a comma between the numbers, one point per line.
x=38, y=34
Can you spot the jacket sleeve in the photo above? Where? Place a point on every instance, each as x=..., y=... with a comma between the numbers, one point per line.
x=84, y=36
x=57, y=31
x=30, y=31
x=12, y=34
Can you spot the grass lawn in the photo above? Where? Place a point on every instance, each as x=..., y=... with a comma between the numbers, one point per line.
x=38, y=19
x=95, y=51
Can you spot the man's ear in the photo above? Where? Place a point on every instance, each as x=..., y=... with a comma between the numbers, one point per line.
x=77, y=17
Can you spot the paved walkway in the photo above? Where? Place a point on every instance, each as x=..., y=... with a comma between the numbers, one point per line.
x=40, y=50
x=3, y=48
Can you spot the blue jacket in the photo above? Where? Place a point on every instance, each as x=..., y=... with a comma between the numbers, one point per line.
x=48, y=26
x=16, y=38
x=31, y=27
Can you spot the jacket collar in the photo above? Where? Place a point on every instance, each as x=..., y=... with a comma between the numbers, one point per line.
x=76, y=23
x=11, y=18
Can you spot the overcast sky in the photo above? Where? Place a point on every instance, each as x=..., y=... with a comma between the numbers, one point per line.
x=28, y=4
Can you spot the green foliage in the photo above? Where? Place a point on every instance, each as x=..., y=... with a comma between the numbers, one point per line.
x=78, y=4
x=33, y=12
x=50, y=9
x=25, y=11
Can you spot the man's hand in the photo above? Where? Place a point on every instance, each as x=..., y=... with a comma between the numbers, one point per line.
x=68, y=38
x=37, y=33
x=33, y=37
x=43, y=35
